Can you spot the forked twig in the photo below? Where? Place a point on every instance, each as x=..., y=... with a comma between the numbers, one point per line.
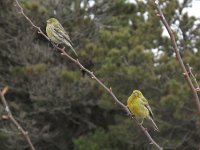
x=109, y=90
x=178, y=56
x=193, y=76
x=11, y=117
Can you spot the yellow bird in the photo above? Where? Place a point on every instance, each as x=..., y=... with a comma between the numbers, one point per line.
x=139, y=107
x=57, y=33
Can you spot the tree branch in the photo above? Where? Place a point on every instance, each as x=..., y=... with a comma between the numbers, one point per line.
x=176, y=50
x=11, y=117
x=193, y=76
x=109, y=90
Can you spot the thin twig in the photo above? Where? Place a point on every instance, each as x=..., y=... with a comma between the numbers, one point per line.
x=109, y=90
x=29, y=20
x=11, y=117
x=193, y=76
x=176, y=50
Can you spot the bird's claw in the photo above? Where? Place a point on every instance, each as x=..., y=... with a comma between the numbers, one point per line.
x=140, y=123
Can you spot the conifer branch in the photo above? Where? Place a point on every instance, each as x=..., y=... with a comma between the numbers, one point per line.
x=92, y=75
x=12, y=118
x=178, y=56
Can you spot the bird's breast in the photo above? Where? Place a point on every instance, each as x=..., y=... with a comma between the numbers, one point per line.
x=138, y=109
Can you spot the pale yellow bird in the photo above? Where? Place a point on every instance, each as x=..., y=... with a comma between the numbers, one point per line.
x=139, y=107
x=57, y=33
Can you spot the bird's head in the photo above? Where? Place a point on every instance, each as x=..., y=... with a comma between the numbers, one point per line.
x=137, y=93
x=52, y=21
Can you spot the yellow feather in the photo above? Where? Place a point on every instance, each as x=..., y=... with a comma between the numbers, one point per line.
x=139, y=107
x=57, y=33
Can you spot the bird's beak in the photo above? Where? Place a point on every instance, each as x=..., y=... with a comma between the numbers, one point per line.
x=135, y=94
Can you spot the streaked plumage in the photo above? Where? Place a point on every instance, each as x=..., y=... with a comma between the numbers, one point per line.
x=139, y=107
x=57, y=33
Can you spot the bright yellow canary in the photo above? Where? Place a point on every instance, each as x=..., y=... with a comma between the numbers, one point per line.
x=139, y=107
x=57, y=33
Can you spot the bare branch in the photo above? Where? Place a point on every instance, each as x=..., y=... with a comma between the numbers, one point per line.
x=11, y=117
x=176, y=50
x=29, y=20
x=76, y=61
x=193, y=76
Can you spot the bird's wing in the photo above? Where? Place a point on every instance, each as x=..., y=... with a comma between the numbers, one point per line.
x=146, y=104
x=61, y=32
x=144, y=101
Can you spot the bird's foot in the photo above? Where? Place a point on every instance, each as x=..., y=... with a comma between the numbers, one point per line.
x=140, y=123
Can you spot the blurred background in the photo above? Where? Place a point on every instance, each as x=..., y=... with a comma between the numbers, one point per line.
x=126, y=46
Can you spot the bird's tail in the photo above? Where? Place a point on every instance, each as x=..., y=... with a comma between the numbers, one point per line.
x=69, y=44
x=154, y=124
x=73, y=50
